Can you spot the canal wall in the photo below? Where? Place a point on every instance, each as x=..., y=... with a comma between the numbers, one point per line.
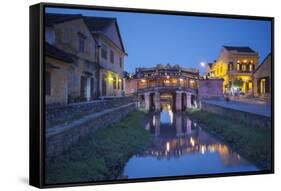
x=55, y=115
x=251, y=119
x=62, y=137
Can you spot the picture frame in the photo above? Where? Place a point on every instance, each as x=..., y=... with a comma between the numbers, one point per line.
x=39, y=146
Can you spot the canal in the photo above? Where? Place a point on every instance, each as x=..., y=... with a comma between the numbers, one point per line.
x=181, y=147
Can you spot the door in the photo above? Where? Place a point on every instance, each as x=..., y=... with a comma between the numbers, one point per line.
x=104, y=85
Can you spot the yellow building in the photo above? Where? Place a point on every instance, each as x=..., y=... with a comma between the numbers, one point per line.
x=235, y=65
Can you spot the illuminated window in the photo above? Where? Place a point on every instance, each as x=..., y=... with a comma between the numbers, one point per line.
x=262, y=86
x=230, y=66
x=238, y=67
x=244, y=67
x=251, y=67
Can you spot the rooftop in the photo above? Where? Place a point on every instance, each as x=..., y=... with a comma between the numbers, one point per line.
x=239, y=49
x=168, y=67
x=54, y=52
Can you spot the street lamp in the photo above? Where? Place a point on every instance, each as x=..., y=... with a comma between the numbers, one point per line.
x=202, y=64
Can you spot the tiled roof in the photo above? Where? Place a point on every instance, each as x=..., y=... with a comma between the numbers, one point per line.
x=98, y=23
x=54, y=52
x=267, y=57
x=93, y=23
x=239, y=49
x=53, y=18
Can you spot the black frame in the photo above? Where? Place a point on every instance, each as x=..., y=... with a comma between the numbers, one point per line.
x=37, y=98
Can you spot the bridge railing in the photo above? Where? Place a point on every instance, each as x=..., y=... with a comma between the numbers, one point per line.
x=167, y=88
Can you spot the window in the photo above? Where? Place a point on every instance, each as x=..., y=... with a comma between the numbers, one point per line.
x=48, y=83
x=81, y=44
x=50, y=36
x=238, y=67
x=111, y=56
x=262, y=86
x=251, y=67
x=244, y=67
x=104, y=52
x=230, y=66
x=121, y=62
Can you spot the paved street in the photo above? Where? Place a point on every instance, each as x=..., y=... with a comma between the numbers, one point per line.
x=249, y=105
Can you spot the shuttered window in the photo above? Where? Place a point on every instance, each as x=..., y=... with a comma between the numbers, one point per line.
x=111, y=56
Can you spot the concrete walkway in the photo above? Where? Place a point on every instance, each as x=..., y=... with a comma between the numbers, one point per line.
x=259, y=108
x=61, y=128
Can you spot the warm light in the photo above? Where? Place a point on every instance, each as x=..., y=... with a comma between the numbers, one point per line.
x=245, y=61
x=110, y=78
x=120, y=80
x=192, y=141
x=143, y=80
x=167, y=81
x=181, y=79
x=203, y=149
x=211, y=148
x=168, y=147
x=171, y=116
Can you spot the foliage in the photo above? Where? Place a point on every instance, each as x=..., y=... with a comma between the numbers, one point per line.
x=254, y=143
x=102, y=155
x=237, y=83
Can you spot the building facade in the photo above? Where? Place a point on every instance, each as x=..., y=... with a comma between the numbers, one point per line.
x=262, y=79
x=82, y=38
x=57, y=63
x=235, y=65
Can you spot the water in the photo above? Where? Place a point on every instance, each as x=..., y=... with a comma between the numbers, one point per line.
x=181, y=147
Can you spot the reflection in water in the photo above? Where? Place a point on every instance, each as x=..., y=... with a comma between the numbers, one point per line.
x=181, y=147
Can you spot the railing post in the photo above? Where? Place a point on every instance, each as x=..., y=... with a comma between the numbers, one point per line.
x=188, y=100
x=157, y=100
x=147, y=101
x=178, y=101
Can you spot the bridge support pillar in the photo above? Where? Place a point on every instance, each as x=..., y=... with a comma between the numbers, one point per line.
x=157, y=101
x=188, y=101
x=147, y=101
x=179, y=101
x=139, y=101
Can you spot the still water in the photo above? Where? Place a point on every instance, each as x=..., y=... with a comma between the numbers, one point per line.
x=182, y=147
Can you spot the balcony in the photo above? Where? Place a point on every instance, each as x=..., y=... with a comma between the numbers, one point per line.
x=240, y=72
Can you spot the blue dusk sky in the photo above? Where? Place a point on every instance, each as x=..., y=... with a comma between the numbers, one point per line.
x=151, y=39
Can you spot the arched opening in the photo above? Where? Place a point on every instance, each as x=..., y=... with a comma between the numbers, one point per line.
x=166, y=101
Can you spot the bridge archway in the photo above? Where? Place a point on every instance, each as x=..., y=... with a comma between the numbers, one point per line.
x=177, y=100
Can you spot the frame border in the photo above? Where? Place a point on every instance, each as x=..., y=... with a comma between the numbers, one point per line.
x=41, y=98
